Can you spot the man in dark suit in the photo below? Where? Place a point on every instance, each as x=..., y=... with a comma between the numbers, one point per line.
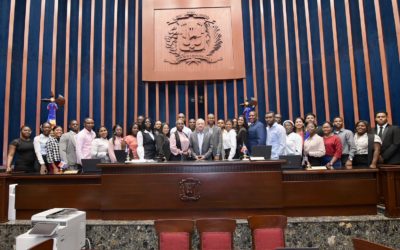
x=200, y=142
x=256, y=132
x=390, y=136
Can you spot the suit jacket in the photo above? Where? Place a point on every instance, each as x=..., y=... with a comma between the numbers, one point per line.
x=257, y=135
x=68, y=148
x=216, y=137
x=207, y=146
x=390, y=149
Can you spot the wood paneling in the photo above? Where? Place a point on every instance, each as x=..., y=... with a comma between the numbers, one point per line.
x=323, y=61
x=298, y=59
x=40, y=67
x=367, y=64
x=310, y=57
x=91, y=76
x=158, y=14
x=235, y=98
x=157, y=101
x=186, y=103
x=79, y=64
x=114, y=68
x=215, y=101
x=264, y=53
x=226, y=102
x=337, y=60
x=253, y=57
x=196, y=100
x=397, y=23
x=66, y=76
x=382, y=54
x=167, y=104
x=126, y=65
x=103, y=63
x=351, y=59
x=205, y=99
x=277, y=87
x=136, y=59
x=25, y=62
x=288, y=75
x=146, y=97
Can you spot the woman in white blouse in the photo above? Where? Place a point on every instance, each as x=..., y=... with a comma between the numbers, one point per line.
x=294, y=141
x=229, y=140
x=368, y=146
x=102, y=148
x=314, y=147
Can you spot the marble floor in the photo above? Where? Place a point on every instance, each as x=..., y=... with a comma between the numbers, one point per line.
x=323, y=232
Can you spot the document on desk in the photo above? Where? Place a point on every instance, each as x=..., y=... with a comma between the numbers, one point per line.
x=316, y=168
x=257, y=158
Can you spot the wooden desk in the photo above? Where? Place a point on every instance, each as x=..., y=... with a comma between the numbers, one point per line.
x=198, y=189
x=390, y=177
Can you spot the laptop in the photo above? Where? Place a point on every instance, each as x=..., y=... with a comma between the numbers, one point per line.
x=120, y=155
x=261, y=151
x=90, y=166
x=292, y=161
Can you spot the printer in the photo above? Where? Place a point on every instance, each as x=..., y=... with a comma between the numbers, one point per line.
x=66, y=226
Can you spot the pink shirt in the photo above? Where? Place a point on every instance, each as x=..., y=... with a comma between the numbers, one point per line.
x=84, y=144
x=117, y=142
x=314, y=146
x=184, y=143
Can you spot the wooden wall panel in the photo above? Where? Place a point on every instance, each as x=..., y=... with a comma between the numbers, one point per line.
x=304, y=20
x=25, y=62
x=367, y=63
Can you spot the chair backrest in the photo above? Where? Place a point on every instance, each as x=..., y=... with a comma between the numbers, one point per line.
x=174, y=234
x=360, y=244
x=216, y=233
x=267, y=231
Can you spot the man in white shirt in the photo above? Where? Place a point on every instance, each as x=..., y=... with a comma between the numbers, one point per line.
x=39, y=144
x=84, y=141
x=276, y=136
x=294, y=142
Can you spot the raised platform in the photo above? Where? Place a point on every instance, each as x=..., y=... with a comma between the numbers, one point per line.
x=324, y=232
x=197, y=189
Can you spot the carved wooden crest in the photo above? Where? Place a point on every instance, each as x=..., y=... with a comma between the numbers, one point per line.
x=189, y=189
x=193, y=38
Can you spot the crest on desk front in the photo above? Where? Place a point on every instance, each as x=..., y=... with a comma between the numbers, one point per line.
x=189, y=189
x=193, y=38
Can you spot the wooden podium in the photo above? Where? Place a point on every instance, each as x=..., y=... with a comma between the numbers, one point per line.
x=196, y=189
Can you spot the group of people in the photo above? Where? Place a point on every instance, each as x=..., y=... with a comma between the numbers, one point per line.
x=329, y=144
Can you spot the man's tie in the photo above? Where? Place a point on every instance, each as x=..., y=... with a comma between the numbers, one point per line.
x=380, y=133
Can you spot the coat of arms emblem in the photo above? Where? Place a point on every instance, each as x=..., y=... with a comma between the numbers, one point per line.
x=193, y=38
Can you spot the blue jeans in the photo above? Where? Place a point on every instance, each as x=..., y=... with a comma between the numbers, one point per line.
x=336, y=165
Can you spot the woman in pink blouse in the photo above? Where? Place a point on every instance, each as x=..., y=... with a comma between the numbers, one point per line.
x=132, y=142
x=314, y=148
x=117, y=139
x=179, y=143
